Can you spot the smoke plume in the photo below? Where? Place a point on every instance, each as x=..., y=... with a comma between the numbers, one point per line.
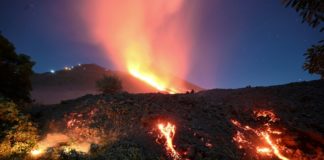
x=150, y=39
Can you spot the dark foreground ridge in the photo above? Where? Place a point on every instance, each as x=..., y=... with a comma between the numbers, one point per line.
x=124, y=125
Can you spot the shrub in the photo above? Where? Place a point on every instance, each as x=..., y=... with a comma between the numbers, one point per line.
x=124, y=150
x=109, y=84
x=17, y=134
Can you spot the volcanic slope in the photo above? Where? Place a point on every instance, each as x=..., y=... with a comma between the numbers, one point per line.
x=51, y=88
x=127, y=124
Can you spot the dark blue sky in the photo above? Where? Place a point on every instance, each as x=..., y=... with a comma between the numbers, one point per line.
x=237, y=43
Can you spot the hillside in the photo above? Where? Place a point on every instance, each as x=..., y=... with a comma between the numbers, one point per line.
x=208, y=125
x=51, y=88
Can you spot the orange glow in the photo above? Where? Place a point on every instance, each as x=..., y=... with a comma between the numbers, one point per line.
x=152, y=80
x=50, y=140
x=262, y=134
x=264, y=150
x=239, y=137
x=36, y=152
x=168, y=132
x=273, y=146
x=267, y=114
x=149, y=39
x=55, y=139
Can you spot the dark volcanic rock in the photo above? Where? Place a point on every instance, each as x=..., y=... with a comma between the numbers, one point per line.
x=203, y=126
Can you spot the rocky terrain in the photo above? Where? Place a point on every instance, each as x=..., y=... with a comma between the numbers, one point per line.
x=124, y=126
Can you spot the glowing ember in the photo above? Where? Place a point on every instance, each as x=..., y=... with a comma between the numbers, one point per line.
x=266, y=114
x=168, y=132
x=240, y=139
x=264, y=150
x=36, y=152
x=263, y=134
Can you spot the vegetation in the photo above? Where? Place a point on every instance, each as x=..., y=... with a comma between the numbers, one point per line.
x=15, y=69
x=315, y=60
x=122, y=150
x=109, y=84
x=18, y=135
x=312, y=12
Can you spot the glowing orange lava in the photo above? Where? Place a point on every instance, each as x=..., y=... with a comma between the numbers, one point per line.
x=168, y=132
x=153, y=80
x=263, y=134
x=274, y=147
x=264, y=150
x=266, y=114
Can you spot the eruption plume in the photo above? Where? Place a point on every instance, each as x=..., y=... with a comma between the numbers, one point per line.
x=149, y=39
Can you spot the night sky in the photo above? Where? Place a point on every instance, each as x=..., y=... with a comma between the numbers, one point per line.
x=237, y=43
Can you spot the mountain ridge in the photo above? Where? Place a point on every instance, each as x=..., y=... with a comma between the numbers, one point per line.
x=69, y=83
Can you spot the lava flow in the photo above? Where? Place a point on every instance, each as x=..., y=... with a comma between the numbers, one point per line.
x=168, y=132
x=265, y=145
x=152, y=80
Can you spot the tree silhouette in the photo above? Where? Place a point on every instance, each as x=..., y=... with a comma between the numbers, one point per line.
x=15, y=69
x=315, y=60
x=312, y=12
x=109, y=84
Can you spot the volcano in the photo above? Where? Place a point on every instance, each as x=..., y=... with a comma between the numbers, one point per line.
x=50, y=88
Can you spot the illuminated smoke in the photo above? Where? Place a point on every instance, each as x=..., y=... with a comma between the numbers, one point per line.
x=150, y=39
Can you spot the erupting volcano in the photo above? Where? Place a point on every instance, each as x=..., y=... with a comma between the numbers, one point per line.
x=111, y=80
x=149, y=39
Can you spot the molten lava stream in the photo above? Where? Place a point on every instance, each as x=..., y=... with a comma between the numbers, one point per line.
x=168, y=132
x=152, y=80
x=263, y=134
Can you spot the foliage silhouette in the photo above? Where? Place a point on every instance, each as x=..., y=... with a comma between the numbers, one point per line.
x=315, y=60
x=109, y=84
x=16, y=70
x=312, y=12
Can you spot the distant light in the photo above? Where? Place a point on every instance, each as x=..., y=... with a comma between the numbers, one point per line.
x=79, y=64
x=52, y=71
x=67, y=68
